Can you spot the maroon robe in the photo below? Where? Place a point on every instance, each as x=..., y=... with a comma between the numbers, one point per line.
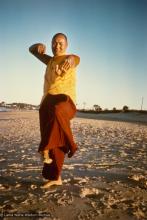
x=55, y=114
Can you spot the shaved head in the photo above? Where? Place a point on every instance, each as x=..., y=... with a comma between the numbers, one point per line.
x=59, y=44
x=59, y=34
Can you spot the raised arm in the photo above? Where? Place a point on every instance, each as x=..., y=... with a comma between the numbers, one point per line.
x=38, y=50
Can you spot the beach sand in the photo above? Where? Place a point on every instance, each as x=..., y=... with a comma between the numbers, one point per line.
x=105, y=180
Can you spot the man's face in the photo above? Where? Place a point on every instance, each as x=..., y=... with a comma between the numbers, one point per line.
x=59, y=45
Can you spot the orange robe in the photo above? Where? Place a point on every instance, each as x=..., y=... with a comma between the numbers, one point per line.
x=55, y=114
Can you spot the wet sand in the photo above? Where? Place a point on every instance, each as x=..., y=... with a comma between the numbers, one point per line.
x=106, y=179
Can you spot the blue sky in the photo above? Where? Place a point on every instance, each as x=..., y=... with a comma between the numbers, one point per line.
x=110, y=36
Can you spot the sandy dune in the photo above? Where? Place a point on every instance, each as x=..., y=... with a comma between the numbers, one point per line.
x=106, y=179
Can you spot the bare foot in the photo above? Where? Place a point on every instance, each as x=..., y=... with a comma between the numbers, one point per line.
x=51, y=183
x=47, y=160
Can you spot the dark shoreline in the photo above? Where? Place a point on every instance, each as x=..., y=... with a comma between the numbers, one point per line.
x=130, y=117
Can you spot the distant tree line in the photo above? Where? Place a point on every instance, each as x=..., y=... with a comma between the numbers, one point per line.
x=98, y=109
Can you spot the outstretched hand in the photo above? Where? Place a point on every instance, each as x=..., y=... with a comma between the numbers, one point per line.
x=71, y=153
x=66, y=65
x=41, y=48
x=37, y=48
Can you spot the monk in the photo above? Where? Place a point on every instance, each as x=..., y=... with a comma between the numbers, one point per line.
x=57, y=107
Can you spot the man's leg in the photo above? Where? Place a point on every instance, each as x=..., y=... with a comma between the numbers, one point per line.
x=49, y=183
x=52, y=171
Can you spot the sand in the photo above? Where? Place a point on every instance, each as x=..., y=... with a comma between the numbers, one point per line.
x=106, y=179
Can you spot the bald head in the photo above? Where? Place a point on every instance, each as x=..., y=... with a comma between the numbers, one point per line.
x=59, y=34
x=59, y=44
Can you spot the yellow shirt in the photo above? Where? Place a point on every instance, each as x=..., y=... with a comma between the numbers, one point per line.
x=55, y=84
